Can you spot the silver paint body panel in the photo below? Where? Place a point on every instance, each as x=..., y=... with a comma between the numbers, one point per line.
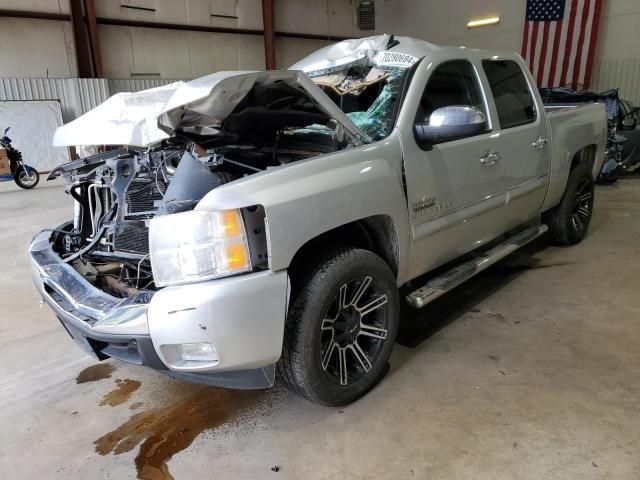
x=241, y=316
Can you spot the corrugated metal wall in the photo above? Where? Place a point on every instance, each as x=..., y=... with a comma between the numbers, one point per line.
x=41, y=89
x=91, y=92
x=76, y=95
x=623, y=74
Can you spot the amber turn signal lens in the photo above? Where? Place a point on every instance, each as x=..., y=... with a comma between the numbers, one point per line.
x=236, y=256
x=231, y=223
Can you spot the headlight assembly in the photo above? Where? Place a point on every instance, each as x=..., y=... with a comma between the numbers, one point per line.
x=195, y=246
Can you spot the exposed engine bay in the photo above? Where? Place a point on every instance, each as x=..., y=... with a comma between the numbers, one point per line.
x=117, y=193
x=272, y=120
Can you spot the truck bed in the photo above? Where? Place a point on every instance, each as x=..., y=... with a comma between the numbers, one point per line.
x=573, y=126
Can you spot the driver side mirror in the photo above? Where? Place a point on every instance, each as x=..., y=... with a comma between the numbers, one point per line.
x=450, y=123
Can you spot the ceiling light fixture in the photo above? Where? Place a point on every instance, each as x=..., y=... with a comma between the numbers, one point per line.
x=483, y=22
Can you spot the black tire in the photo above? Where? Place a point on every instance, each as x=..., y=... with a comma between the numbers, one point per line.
x=569, y=221
x=22, y=178
x=312, y=356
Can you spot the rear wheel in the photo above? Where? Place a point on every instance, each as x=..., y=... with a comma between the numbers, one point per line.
x=341, y=328
x=569, y=221
x=26, y=178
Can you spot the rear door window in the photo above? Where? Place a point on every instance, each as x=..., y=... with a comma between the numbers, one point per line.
x=511, y=93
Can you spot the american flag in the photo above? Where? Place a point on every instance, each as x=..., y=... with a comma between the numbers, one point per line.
x=559, y=41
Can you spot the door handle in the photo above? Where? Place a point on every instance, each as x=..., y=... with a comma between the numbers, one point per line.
x=540, y=143
x=490, y=158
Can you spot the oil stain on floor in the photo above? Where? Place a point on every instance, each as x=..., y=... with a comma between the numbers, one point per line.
x=123, y=391
x=163, y=432
x=96, y=372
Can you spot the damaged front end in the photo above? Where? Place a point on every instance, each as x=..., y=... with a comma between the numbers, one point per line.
x=218, y=131
x=123, y=292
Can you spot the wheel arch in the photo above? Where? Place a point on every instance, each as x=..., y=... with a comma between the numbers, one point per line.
x=585, y=156
x=377, y=233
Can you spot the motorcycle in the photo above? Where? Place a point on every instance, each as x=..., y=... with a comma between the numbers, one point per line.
x=25, y=176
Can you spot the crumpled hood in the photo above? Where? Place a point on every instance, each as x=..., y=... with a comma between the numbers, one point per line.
x=148, y=116
x=212, y=98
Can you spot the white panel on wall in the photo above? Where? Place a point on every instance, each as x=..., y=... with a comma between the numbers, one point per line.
x=249, y=14
x=250, y=52
x=308, y=17
x=166, y=11
x=113, y=9
x=290, y=50
x=116, y=50
x=223, y=7
x=212, y=52
x=36, y=48
x=445, y=22
x=176, y=54
x=620, y=7
x=199, y=12
x=619, y=30
x=170, y=12
x=321, y=17
x=619, y=73
x=44, y=6
x=342, y=19
x=161, y=52
x=190, y=12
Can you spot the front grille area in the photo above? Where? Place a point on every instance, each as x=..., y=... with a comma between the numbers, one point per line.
x=63, y=303
x=132, y=237
x=142, y=194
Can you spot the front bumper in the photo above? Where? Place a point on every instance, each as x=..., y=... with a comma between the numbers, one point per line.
x=242, y=317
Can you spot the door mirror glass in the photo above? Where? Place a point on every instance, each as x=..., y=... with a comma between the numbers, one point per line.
x=450, y=123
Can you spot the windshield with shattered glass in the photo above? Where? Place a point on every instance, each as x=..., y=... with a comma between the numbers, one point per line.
x=368, y=95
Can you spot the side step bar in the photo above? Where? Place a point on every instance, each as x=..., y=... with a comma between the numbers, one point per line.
x=458, y=274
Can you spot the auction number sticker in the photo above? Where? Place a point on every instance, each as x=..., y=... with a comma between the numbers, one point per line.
x=394, y=59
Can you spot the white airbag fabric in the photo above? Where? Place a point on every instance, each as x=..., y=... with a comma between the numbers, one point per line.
x=124, y=119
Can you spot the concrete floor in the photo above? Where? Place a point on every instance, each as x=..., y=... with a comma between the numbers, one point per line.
x=529, y=371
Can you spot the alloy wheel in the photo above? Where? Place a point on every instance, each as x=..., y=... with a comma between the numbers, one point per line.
x=582, y=204
x=353, y=330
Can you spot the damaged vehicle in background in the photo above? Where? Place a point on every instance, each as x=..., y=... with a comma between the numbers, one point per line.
x=263, y=221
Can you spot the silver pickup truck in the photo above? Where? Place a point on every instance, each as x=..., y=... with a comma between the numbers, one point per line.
x=262, y=223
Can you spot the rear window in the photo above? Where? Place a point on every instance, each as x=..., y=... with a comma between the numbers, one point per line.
x=511, y=93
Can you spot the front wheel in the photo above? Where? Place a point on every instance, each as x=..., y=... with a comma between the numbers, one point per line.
x=569, y=221
x=341, y=328
x=26, y=178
